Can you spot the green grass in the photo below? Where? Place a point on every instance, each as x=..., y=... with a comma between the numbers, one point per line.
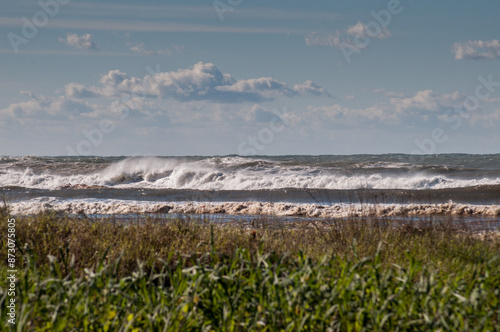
x=172, y=275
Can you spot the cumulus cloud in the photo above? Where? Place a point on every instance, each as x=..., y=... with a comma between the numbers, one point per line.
x=120, y=93
x=116, y=83
x=114, y=78
x=84, y=42
x=203, y=81
x=74, y=90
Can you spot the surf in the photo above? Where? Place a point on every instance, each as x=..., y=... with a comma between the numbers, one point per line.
x=239, y=173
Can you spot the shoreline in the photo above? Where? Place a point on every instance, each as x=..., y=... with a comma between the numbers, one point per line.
x=115, y=206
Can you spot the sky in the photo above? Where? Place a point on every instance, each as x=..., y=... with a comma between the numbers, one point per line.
x=248, y=77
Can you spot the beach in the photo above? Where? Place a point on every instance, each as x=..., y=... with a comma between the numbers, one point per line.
x=456, y=186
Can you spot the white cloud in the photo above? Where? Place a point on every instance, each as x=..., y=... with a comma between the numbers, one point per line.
x=84, y=42
x=191, y=88
x=74, y=90
x=422, y=106
x=256, y=88
x=113, y=77
x=354, y=36
x=427, y=100
x=398, y=106
x=139, y=48
x=203, y=81
x=476, y=49
x=120, y=93
x=43, y=106
x=115, y=83
x=360, y=30
x=310, y=88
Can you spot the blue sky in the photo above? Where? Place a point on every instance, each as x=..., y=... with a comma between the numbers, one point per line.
x=249, y=77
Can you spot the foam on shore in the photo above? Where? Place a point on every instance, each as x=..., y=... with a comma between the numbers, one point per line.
x=114, y=206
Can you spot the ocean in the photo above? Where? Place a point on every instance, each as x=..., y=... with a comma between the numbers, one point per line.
x=392, y=185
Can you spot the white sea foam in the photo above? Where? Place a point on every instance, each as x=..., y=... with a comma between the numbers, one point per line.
x=114, y=206
x=233, y=173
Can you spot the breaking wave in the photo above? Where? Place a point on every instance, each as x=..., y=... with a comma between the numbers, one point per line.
x=238, y=173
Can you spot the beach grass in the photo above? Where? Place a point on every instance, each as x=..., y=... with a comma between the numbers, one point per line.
x=146, y=273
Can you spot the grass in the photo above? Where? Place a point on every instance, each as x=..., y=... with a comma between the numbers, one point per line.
x=351, y=275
